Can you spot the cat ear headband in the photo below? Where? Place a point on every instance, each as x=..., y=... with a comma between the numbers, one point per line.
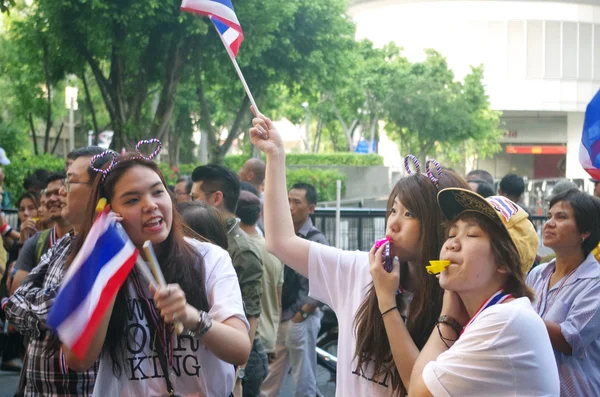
x=112, y=153
x=417, y=168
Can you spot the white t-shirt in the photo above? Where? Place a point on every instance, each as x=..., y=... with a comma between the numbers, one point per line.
x=341, y=279
x=505, y=352
x=196, y=371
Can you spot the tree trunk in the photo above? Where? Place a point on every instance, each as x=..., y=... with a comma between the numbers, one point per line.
x=49, y=94
x=57, y=138
x=31, y=126
x=234, y=131
x=88, y=99
x=318, y=135
x=164, y=111
x=372, y=125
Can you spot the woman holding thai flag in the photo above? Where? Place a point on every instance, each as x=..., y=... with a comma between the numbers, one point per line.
x=135, y=339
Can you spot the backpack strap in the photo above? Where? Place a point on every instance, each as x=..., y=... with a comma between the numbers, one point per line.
x=312, y=232
x=41, y=245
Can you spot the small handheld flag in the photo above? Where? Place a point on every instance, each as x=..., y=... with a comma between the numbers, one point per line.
x=223, y=17
x=91, y=283
x=589, y=151
x=158, y=275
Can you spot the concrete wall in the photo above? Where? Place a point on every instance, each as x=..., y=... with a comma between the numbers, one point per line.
x=361, y=182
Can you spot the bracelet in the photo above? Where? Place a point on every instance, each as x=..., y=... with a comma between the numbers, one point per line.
x=389, y=310
x=452, y=323
x=5, y=229
x=203, y=325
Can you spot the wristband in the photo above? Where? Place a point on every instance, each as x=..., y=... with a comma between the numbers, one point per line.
x=5, y=229
x=389, y=310
x=452, y=323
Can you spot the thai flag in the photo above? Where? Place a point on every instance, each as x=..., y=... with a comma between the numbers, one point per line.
x=504, y=206
x=223, y=16
x=589, y=151
x=91, y=282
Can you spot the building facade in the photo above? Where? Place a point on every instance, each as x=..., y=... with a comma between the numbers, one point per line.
x=541, y=60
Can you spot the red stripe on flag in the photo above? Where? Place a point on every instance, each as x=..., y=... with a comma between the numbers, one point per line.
x=82, y=345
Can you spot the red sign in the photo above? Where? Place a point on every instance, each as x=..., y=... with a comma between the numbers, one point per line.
x=543, y=149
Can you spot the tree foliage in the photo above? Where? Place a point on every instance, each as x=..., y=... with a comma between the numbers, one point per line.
x=145, y=69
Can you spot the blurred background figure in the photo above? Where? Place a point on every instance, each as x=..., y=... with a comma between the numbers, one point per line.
x=205, y=220
x=253, y=172
x=183, y=189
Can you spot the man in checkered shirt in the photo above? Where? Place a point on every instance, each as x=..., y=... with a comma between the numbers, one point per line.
x=45, y=369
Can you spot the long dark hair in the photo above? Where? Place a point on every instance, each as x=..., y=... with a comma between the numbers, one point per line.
x=179, y=261
x=419, y=195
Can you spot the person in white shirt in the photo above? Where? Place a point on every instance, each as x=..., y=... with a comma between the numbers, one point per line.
x=341, y=279
x=488, y=341
x=140, y=354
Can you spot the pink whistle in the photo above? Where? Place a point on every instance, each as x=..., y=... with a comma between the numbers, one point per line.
x=382, y=241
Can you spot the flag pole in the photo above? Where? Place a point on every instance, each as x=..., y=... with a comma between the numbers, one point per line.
x=239, y=72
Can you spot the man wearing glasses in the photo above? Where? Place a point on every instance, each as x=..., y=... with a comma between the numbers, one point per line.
x=43, y=241
x=183, y=189
x=596, y=187
x=28, y=308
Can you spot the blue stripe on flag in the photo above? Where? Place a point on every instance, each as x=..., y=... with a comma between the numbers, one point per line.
x=75, y=291
x=220, y=26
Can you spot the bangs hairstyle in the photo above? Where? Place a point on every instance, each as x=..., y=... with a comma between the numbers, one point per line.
x=419, y=195
x=586, y=211
x=179, y=261
x=504, y=251
x=33, y=196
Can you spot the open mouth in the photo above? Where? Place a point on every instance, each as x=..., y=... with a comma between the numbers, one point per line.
x=154, y=224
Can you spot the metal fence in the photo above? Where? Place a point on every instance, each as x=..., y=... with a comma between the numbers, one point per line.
x=360, y=227
x=12, y=215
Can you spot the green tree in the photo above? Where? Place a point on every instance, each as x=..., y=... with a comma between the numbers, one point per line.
x=430, y=110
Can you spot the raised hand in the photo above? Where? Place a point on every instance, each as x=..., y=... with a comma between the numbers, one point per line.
x=386, y=284
x=264, y=135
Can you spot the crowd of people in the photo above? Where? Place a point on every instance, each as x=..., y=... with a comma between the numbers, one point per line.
x=249, y=275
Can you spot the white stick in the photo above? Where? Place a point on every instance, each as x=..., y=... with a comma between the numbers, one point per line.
x=239, y=72
x=143, y=268
x=158, y=275
x=338, y=206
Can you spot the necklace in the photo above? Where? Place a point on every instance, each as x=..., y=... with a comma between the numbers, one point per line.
x=546, y=291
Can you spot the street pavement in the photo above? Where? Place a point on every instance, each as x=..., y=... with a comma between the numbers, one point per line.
x=9, y=381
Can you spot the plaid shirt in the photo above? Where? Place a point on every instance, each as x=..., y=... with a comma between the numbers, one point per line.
x=46, y=372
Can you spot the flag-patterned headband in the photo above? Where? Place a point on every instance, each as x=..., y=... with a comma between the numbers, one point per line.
x=434, y=178
x=112, y=153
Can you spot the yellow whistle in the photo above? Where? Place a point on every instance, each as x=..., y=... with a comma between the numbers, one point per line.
x=437, y=266
x=596, y=252
x=35, y=219
x=100, y=206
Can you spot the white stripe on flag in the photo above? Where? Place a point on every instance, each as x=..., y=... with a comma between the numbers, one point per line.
x=231, y=35
x=96, y=231
x=74, y=325
x=584, y=157
x=212, y=7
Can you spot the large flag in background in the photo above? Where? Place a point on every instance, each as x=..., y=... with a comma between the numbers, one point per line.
x=223, y=16
x=91, y=282
x=589, y=151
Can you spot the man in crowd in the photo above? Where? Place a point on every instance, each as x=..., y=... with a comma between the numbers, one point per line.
x=219, y=187
x=248, y=211
x=253, y=172
x=512, y=187
x=183, y=189
x=297, y=349
x=41, y=242
x=28, y=307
